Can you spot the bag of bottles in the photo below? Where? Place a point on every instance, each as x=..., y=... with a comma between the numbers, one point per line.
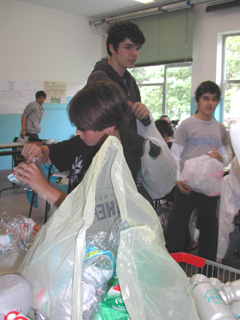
x=57, y=265
x=203, y=174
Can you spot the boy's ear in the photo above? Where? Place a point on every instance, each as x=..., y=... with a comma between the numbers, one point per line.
x=111, y=48
x=109, y=130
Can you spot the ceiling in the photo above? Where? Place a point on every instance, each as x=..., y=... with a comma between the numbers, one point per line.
x=97, y=8
x=109, y=8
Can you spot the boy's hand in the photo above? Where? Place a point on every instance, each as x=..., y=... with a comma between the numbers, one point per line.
x=31, y=174
x=216, y=155
x=31, y=151
x=139, y=110
x=184, y=188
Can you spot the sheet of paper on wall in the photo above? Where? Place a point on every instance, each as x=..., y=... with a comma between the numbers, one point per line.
x=16, y=94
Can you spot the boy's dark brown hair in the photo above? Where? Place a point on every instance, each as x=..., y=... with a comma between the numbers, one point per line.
x=121, y=30
x=207, y=87
x=40, y=94
x=99, y=105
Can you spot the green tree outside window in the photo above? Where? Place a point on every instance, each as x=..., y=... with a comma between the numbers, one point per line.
x=165, y=89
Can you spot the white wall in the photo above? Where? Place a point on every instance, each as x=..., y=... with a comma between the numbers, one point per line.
x=207, y=27
x=42, y=44
x=38, y=43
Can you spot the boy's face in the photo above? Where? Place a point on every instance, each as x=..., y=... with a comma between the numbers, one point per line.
x=41, y=100
x=207, y=104
x=92, y=138
x=125, y=56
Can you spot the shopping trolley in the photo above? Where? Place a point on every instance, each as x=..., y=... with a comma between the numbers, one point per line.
x=192, y=264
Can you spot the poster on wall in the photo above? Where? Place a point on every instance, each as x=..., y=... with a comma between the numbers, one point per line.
x=16, y=94
x=56, y=91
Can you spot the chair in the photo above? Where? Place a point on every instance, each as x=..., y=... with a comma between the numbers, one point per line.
x=55, y=179
x=17, y=157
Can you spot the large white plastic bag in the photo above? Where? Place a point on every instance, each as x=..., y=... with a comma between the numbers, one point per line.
x=153, y=285
x=157, y=175
x=235, y=138
x=203, y=174
x=54, y=262
x=229, y=207
x=227, y=211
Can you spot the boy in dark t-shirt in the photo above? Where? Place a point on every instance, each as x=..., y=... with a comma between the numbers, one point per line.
x=98, y=110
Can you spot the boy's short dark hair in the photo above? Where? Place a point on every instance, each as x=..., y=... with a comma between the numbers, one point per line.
x=99, y=105
x=119, y=31
x=164, y=128
x=40, y=94
x=207, y=87
x=164, y=116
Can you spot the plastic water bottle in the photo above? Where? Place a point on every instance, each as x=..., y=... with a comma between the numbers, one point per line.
x=12, y=177
x=216, y=283
x=15, y=294
x=235, y=308
x=97, y=271
x=8, y=234
x=198, y=278
x=230, y=291
x=209, y=303
x=6, y=245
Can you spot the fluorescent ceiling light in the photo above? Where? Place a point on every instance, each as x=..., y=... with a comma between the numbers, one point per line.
x=145, y=1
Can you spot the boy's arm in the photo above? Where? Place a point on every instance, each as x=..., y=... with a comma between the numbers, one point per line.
x=31, y=174
x=23, y=122
x=183, y=187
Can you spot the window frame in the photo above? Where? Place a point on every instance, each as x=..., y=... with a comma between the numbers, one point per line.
x=225, y=82
x=164, y=83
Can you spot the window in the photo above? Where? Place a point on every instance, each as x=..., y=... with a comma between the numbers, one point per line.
x=165, y=89
x=231, y=79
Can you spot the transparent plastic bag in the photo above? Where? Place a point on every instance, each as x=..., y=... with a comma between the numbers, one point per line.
x=96, y=273
x=203, y=174
x=153, y=285
x=99, y=266
x=54, y=263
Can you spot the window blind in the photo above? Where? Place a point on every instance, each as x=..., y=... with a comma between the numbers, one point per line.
x=169, y=37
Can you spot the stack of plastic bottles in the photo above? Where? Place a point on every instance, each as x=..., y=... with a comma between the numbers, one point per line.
x=214, y=299
x=99, y=274
x=16, y=235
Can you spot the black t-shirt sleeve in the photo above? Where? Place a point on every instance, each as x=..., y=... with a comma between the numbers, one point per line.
x=72, y=155
x=63, y=154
